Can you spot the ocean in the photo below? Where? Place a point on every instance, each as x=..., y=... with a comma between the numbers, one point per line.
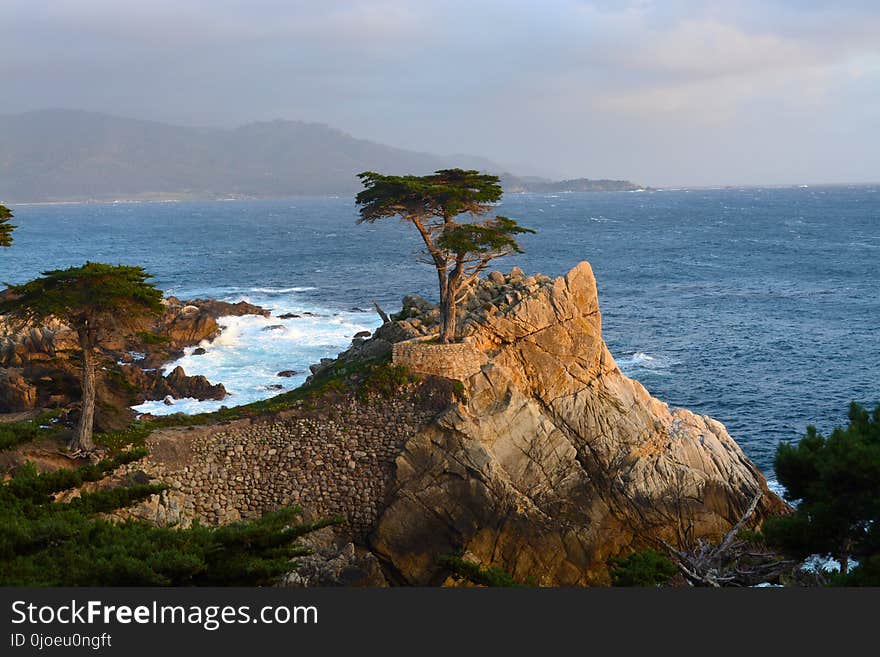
x=757, y=306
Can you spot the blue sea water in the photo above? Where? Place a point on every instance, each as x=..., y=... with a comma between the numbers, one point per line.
x=759, y=307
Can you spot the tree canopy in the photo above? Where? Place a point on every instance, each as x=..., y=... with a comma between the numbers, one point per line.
x=459, y=250
x=95, y=296
x=835, y=483
x=93, y=300
x=442, y=195
x=6, y=226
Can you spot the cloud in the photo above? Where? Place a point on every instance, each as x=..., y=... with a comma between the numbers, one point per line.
x=542, y=83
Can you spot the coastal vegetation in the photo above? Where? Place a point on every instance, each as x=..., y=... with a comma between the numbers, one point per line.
x=93, y=299
x=459, y=251
x=463, y=570
x=835, y=483
x=23, y=431
x=78, y=543
x=6, y=226
x=647, y=568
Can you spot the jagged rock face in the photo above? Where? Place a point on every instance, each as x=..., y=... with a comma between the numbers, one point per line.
x=556, y=461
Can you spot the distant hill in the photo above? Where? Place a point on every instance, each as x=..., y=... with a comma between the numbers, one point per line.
x=514, y=184
x=69, y=155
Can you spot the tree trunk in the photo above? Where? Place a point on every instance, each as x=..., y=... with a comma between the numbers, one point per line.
x=448, y=307
x=82, y=439
x=447, y=320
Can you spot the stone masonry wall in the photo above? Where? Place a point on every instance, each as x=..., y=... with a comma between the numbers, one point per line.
x=453, y=361
x=328, y=466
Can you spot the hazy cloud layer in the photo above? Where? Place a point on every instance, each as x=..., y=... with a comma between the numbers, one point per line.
x=671, y=92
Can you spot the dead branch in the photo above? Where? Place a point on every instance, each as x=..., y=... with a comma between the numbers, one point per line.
x=382, y=313
x=732, y=562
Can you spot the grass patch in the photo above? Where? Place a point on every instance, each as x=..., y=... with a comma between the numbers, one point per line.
x=13, y=434
x=134, y=435
x=384, y=380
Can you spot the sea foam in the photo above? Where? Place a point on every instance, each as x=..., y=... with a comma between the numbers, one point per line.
x=251, y=350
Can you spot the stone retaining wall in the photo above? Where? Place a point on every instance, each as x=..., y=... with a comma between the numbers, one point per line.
x=453, y=361
x=329, y=466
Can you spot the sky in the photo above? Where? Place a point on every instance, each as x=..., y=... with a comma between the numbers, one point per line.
x=666, y=93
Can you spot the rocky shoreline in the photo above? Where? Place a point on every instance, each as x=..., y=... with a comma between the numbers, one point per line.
x=39, y=367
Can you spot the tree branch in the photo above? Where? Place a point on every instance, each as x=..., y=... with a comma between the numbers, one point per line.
x=382, y=313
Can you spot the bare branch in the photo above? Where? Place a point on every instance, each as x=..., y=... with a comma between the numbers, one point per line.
x=382, y=313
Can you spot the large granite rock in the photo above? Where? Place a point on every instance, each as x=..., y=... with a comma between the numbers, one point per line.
x=555, y=461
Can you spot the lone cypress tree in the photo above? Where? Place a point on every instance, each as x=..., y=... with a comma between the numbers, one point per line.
x=459, y=251
x=6, y=228
x=93, y=300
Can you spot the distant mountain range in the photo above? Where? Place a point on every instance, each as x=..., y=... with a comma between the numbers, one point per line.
x=69, y=155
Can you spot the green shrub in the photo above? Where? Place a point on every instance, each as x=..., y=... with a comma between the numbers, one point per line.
x=647, y=568
x=835, y=482
x=463, y=570
x=384, y=381
x=47, y=543
x=17, y=433
x=147, y=337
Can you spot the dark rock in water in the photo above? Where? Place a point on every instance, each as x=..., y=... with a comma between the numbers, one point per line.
x=168, y=401
x=198, y=351
x=274, y=386
x=274, y=327
x=151, y=384
x=355, y=309
x=287, y=373
x=198, y=387
x=216, y=308
x=362, y=334
x=306, y=313
x=289, y=316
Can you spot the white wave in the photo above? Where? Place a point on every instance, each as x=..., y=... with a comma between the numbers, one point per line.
x=774, y=485
x=632, y=364
x=250, y=351
x=281, y=290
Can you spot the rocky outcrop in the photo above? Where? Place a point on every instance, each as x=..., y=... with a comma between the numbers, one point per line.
x=334, y=562
x=39, y=366
x=155, y=384
x=556, y=461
